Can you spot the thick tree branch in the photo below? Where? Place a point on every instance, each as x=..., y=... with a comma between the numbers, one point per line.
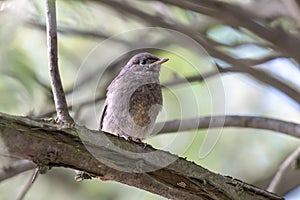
x=289, y=128
x=144, y=167
x=57, y=89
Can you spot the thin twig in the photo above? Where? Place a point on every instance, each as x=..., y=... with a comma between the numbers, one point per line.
x=290, y=128
x=283, y=172
x=29, y=184
x=196, y=78
x=57, y=89
x=15, y=169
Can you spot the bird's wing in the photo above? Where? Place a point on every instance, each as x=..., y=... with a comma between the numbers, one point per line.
x=103, y=115
x=110, y=88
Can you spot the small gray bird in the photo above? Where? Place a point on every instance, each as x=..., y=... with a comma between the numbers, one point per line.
x=134, y=98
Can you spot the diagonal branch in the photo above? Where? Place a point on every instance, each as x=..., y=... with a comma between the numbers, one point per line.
x=236, y=16
x=130, y=163
x=285, y=178
x=29, y=184
x=57, y=89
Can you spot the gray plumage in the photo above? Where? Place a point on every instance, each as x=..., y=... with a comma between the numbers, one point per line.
x=134, y=98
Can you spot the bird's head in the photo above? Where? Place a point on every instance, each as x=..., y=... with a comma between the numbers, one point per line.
x=145, y=62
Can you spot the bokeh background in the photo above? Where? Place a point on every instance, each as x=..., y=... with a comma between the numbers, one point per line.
x=96, y=40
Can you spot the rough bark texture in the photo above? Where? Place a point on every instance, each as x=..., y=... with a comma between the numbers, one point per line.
x=47, y=144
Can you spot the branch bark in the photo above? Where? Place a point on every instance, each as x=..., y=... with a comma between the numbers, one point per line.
x=57, y=89
x=290, y=128
x=285, y=178
x=136, y=165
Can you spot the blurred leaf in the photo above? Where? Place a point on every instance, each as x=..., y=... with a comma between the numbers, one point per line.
x=19, y=67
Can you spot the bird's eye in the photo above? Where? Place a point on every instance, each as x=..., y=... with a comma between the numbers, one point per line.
x=143, y=62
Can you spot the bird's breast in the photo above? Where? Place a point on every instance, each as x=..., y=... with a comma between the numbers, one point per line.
x=145, y=103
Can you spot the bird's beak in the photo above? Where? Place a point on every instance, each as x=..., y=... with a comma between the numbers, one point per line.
x=159, y=62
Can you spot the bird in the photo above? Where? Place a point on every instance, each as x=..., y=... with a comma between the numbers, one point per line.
x=134, y=98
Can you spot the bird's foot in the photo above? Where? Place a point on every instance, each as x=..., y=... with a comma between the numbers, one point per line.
x=80, y=176
x=131, y=139
x=135, y=140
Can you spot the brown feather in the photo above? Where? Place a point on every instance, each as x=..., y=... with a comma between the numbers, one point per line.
x=141, y=102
